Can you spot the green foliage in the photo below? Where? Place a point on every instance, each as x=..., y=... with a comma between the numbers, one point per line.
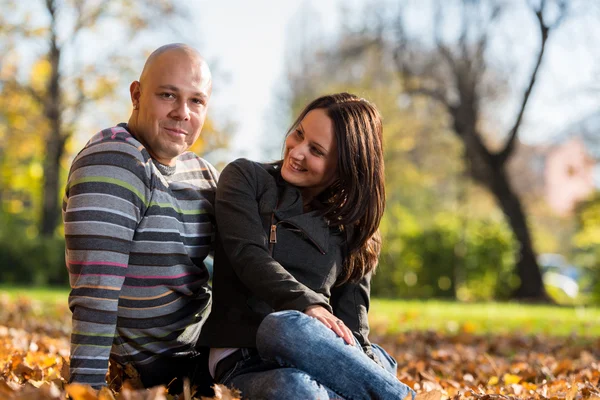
x=586, y=243
x=26, y=258
x=451, y=257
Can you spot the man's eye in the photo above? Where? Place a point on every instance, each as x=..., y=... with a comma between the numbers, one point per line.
x=167, y=95
x=199, y=102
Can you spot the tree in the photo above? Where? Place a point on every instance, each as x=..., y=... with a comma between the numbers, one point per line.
x=457, y=76
x=59, y=33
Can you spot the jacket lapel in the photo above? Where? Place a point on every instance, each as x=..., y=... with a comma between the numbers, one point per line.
x=314, y=226
x=290, y=210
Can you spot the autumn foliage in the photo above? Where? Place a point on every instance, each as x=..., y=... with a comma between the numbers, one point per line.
x=34, y=356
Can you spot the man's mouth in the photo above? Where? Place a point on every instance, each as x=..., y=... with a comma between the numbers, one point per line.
x=177, y=131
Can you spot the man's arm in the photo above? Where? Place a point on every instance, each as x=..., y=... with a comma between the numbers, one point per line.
x=106, y=195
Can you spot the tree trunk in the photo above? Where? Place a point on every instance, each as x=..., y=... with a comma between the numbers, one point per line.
x=489, y=171
x=531, y=287
x=50, y=198
x=55, y=141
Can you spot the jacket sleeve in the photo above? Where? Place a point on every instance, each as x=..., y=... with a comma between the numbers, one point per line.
x=350, y=302
x=106, y=194
x=245, y=241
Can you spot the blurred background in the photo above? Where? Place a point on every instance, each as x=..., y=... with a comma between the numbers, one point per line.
x=491, y=122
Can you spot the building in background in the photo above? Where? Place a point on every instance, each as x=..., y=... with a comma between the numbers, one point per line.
x=564, y=172
x=568, y=175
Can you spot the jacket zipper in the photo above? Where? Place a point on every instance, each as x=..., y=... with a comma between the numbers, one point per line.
x=273, y=234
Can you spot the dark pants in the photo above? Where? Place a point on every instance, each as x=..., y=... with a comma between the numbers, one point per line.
x=171, y=373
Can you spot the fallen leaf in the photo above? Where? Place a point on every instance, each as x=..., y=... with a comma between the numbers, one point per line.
x=81, y=392
x=432, y=395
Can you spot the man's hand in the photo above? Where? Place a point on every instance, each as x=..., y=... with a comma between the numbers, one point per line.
x=331, y=321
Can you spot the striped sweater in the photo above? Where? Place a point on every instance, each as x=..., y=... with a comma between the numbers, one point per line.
x=136, y=239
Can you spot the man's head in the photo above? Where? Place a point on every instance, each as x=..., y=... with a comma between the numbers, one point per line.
x=170, y=101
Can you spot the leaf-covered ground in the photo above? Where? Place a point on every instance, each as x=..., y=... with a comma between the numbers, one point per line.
x=34, y=354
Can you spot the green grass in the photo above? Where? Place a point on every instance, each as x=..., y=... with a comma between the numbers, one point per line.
x=393, y=316
x=46, y=295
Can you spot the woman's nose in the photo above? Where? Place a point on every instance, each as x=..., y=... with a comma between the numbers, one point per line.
x=297, y=153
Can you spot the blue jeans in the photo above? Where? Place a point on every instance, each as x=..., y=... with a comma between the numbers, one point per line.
x=299, y=357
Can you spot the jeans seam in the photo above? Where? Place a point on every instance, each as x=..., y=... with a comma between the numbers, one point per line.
x=228, y=375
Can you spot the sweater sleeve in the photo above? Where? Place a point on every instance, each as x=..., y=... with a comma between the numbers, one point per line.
x=107, y=192
x=350, y=303
x=246, y=243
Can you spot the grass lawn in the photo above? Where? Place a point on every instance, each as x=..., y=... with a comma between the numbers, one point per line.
x=393, y=316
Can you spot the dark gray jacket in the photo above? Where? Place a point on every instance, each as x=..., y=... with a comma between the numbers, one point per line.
x=253, y=277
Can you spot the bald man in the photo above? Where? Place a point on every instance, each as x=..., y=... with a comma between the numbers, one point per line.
x=139, y=221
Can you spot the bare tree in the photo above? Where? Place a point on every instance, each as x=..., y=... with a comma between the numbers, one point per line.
x=64, y=96
x=455, y=76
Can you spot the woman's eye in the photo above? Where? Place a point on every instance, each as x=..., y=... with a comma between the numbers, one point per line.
x=299, y=133
x=316, y=151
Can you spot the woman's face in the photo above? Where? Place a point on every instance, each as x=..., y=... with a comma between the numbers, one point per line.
x=310, y=160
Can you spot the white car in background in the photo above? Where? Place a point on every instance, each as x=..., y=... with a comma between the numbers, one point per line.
x=557, y=272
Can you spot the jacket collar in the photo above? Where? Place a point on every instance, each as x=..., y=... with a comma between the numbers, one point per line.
x=290, y=209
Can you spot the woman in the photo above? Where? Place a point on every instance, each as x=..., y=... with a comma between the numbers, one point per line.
x=297, y=243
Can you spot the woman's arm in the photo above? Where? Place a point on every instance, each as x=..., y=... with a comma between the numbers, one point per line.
x=245, y=240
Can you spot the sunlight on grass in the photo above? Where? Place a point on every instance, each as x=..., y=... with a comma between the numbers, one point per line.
x=392, y=316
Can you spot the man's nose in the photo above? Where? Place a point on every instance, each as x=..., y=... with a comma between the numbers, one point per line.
x=181, y=111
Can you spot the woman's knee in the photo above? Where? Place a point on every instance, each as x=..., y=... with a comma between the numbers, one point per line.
x=281, y=326
x=282, y=320
x=282, y=336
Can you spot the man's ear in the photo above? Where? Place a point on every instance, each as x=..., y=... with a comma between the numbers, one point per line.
x=134, y=91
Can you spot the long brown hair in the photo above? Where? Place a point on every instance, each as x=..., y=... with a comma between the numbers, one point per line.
x=356, y=200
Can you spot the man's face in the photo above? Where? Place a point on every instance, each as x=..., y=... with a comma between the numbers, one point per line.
x=170, y=104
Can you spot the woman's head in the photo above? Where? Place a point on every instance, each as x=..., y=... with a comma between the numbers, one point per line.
x=334, y=154
x=310, y=158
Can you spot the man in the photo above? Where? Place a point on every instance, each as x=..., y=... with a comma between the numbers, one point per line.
x=139, y=221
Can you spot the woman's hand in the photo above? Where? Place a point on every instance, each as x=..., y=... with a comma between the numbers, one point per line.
x=331, y=321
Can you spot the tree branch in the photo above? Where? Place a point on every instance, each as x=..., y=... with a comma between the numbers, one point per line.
x=443, y=49
x=544, y=30
x=18, y=87
x=85, y=20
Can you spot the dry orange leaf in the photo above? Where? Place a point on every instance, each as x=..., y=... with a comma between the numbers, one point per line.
x=432, y=395
x=81, y=392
